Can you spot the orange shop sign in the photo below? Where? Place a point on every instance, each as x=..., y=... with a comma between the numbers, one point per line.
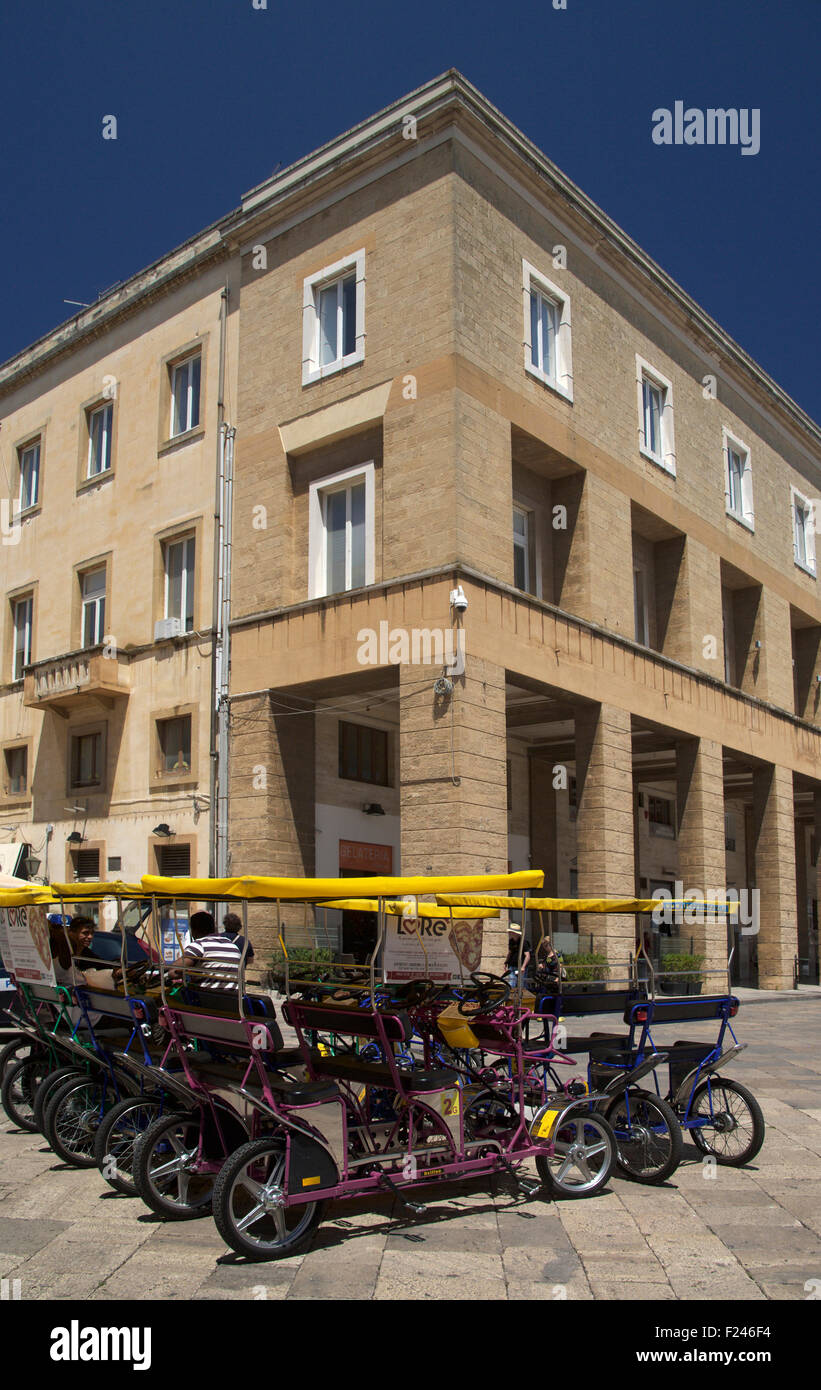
x=367, y=859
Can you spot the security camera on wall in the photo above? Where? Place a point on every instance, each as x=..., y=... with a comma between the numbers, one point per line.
x=458, y=599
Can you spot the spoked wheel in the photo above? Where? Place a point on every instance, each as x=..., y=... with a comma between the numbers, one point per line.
x=20, y=1086
x=117, y=1137
x=736, y=1129
x=649, y=1144
x=490, y=1116
x=249, y=1204
x=583, y=1157
x=72, y=1117
x=165, y=1168
x=17, y=1051
x=47, y=1089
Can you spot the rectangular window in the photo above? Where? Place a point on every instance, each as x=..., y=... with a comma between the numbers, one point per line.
x=86, y=759
x=547, y=339
x=86, y=865
x=185, y=395
x=803, y=517
x=100, y=424
x=521, y=549
x=179, y=581
x=16, y=771
x=655, y=401
x=333, y=308
x=661, y=815
x=341, y=532
x=728, y=629
x=175, y=746
x=23, y=611
x=640, y=607
x=29, y=459
x=738, y=480
x=363, y=754
x=93, y=599
x=729, y=831
x=173, y=861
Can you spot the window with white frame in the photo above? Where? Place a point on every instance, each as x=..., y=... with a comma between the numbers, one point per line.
x=522, y=541
x=738, y=484
x=92, y=585
x=803, y=522
x=655, y=401
x=100, y=423
x=547, y=340
x=333, y=310
x=178, y=564
x=641, y=606
x=16, y=779
x=22, y=617
x=185, y=395
x=341, y=532
x=29, y=460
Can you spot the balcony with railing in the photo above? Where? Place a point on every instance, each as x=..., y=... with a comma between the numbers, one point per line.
x=70, y=682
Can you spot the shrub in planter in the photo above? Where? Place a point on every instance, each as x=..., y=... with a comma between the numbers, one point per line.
x=670, y=977
x=583, y=968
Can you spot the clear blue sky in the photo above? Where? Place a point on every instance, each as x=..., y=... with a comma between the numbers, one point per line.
x=211, y=95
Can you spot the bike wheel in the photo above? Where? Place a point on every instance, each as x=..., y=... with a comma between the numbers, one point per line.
x=649, y=1144
x=164, y=1168
x=117, y=1137
x=584, y=1152
x=19, y=1088
x=17, y=1051
x=737, y=1128
x=249, y=1208
x=46, y=1090
x=72, y=1118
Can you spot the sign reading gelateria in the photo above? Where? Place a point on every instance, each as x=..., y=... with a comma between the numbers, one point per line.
x=25, y=944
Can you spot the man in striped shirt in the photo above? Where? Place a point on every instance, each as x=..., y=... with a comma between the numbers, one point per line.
x=209, y=949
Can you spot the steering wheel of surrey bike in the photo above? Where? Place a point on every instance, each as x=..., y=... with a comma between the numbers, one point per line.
x=489, y=992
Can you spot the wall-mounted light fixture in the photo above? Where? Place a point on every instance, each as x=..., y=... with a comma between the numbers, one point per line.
x=75, y=838
x=372, y=808
x=163, y=830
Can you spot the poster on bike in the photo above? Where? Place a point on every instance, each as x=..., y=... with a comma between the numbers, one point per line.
x=26, y=946
x=431, y=948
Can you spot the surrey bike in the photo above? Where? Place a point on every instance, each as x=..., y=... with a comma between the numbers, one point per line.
x=323, y=1138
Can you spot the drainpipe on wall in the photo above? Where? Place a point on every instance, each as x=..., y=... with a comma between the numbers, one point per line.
x=217, y=651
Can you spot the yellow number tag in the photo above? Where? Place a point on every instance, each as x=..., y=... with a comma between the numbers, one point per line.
x=546, y=1123
x=449, y=1103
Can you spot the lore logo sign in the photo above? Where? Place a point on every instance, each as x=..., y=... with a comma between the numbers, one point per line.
x=76, y=1343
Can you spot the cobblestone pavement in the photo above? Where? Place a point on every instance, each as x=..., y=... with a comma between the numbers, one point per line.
x=752, y=1233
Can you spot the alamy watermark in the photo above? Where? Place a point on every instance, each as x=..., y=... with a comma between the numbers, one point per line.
x=694, y=907
x=714, y=126
x=414, y=646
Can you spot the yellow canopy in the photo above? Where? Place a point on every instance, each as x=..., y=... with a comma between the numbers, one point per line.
x=253, y=888
x=78, y=892
x=25, y=897
x=625, y=905
x=397, y=909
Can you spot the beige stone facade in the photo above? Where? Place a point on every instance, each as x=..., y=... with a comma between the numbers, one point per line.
x=607, y=572
x=115, y=719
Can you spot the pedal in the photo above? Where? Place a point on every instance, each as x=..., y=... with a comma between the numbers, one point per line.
x=390, y=1186
x=525, y=1185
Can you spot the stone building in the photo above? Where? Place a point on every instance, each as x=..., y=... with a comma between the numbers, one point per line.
x=455, y=372
x=109, y=445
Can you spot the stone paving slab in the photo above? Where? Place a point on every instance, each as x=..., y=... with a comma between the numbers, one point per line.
x=751, y=1233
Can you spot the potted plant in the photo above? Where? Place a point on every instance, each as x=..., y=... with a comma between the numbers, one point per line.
x=674, y=977
x=583, y=970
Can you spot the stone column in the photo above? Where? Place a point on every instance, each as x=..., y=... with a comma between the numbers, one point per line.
x=447, y=826
x=701, y=854
x=774, y=847
x=543, y=822
x=604, y=823
x=271, y=799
